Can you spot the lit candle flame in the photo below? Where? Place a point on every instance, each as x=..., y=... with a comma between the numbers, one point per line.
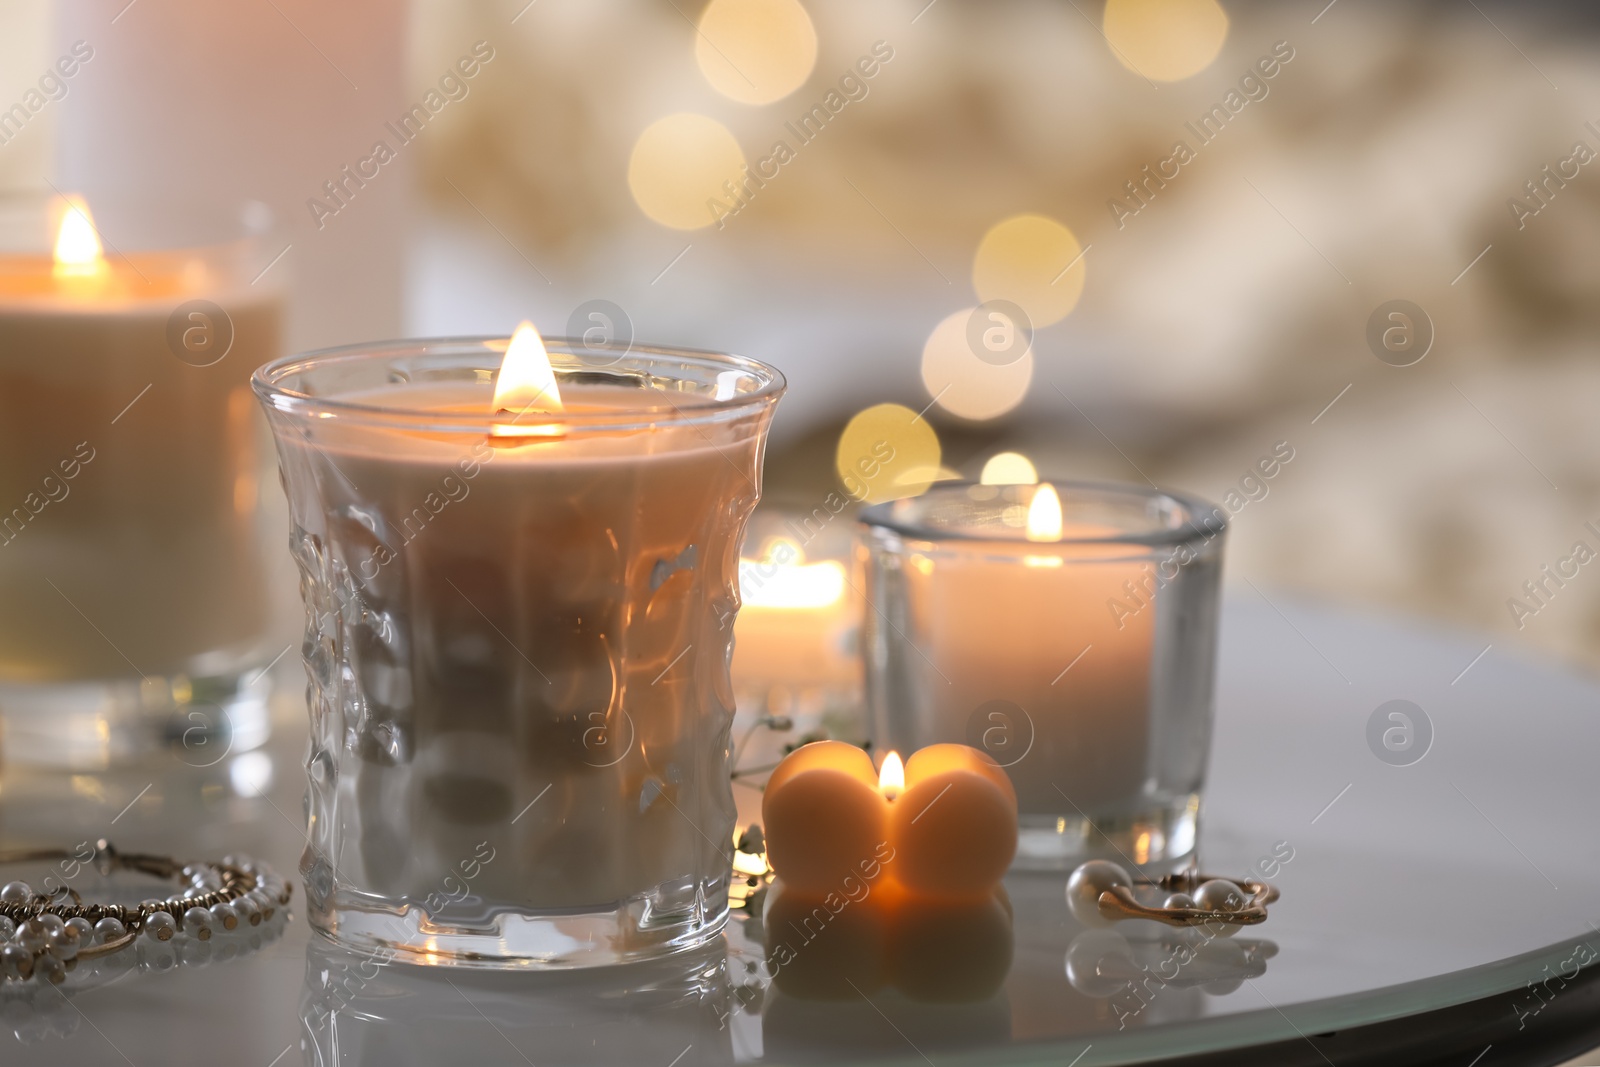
x=782, y=578
x=892, y=778
x=1044, y=515
x=78, y=251
x=526, y=384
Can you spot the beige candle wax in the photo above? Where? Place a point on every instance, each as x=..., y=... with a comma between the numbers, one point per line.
x=1028, y=648
x=129, y=542
x=519, y=638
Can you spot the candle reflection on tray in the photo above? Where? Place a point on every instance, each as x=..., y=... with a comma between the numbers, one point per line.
x=934, y=970
x=846, y=947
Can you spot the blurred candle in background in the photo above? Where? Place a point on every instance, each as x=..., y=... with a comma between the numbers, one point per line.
x=796, y=621
x=224, y=103
x=132, y=589
x=796, y=665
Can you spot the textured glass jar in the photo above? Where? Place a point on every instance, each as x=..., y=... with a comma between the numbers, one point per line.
x=518, y=654
x=1081, y=656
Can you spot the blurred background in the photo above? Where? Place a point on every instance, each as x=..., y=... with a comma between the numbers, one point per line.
x=1204, y=211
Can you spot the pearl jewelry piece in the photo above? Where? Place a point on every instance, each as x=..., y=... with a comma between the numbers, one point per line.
x=33, y=935
x=12, y=958
x=1100, y=892
x=197, y=924
x=49, y=968
x=161, y=926
x=46, y=935
x=1220, y=895
x=1087, y=883
x=63, y=943
x=19, y=962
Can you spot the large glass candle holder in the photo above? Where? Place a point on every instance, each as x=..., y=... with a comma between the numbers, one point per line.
x=1069, y=630
x=133, y=596
x=517, y=643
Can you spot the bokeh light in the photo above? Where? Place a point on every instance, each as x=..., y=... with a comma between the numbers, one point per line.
x=1034, y=262
x=755, y=51
x=964, y=384
x=1165, y=40
x=886, y=452
x=1009, y=468
x=678, y=164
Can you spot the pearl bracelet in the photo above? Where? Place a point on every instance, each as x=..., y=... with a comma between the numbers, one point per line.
x=43, y=935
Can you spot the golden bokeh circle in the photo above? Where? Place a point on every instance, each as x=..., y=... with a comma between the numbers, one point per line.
x=965, y=384
x=1009, y=468
x=886, y=452
x=679, y=164
x=755, y=51
x=1165, y=40
x=1034, y=262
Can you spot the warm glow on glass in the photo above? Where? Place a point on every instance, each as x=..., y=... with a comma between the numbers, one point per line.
x=892, y=778
x=755, y=51
x=774, y=545
x=1009, y=468
x=526, y=384
x=919, y=478
x=681, y=164
x=1034, y=262
x=791, y=584
x=748, y=865
x=1044, y=514
x=1165, y=40
x=964, y=384
x=78, y=252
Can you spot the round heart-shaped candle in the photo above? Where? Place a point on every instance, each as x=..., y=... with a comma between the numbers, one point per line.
x=944, y=825
x=954, y=829
x=826, y=819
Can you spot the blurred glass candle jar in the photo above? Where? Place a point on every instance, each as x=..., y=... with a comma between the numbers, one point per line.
x=519, y=569
x=797, y=620
x=796, y=665
x=132, y=593
x=1069, y=631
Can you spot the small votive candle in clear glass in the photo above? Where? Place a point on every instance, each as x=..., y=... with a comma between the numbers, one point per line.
x=520, y=613
x=1067, y=629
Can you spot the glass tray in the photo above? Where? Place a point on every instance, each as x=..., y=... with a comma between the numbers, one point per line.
x=1450, y=899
